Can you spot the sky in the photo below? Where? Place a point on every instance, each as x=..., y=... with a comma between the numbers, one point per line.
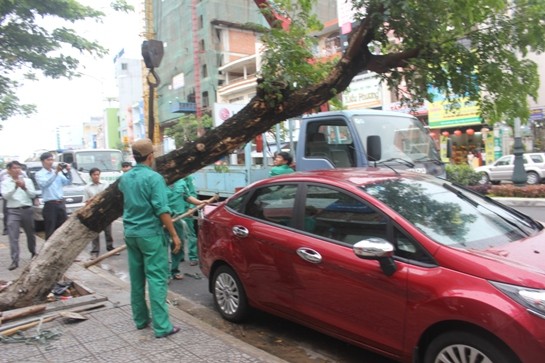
x=69, y=103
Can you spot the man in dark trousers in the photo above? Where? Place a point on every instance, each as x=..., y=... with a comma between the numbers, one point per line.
x=51, y=180
x=145, y=212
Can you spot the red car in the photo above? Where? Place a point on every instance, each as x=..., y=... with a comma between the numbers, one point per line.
x=407, y=265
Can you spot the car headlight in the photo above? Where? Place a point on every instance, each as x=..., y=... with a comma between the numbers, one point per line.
x=532, y=299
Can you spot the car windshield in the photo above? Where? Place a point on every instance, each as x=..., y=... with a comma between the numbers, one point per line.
x=451, y=215
x=104, y=159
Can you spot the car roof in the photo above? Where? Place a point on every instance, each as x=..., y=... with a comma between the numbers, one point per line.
x=354, y=176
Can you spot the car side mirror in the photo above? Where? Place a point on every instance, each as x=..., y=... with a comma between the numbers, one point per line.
x=377, y=249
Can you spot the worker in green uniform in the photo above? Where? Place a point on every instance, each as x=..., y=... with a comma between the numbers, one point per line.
x=282, y=164
x=145, y=211
x=181, y=198
x=190, y=222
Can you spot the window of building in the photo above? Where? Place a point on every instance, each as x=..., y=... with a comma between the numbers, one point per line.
x=124, y=66
x=201, y=22
x=201, y=45
x=204, y=71
x=205, y=99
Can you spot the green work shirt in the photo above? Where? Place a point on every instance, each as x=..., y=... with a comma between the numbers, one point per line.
x=190, y=181
x=280, y=169
x=144, y=200
x=177, y=197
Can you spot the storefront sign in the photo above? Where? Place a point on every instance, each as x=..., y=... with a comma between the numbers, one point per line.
x=364, y=92
x=443, y=114
x=223, y=111
x=420, y=110
x=536, y=114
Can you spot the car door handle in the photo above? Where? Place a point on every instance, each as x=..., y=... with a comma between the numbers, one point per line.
x=309, y=255
x=240, y=231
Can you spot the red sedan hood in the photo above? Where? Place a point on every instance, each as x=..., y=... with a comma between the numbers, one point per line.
x=519, y=261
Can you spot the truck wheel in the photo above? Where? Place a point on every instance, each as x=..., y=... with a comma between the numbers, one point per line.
x=461, y=346
x=229, y=295
x=532, y=178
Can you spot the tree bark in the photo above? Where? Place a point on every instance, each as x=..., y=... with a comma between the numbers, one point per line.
x=67, y=242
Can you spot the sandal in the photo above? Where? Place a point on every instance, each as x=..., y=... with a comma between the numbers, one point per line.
x=178, y=276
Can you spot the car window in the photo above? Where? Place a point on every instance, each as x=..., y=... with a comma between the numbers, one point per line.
x=537, y=158
x=504, y=161
x=408, y=249
x=337, y=215
x=273, y=203
x=236, y=203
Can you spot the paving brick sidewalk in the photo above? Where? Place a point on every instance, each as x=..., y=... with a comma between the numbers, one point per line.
x=109, y=334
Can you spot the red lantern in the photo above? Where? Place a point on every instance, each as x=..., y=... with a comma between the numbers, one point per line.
x=470, y=132
x=445, y=133
x=457, y=132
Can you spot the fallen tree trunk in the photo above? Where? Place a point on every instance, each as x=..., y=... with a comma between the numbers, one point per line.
x=257, y=117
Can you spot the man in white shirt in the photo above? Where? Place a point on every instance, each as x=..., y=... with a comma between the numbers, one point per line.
x=3, y=175
x=18, y=192
x=95, y=187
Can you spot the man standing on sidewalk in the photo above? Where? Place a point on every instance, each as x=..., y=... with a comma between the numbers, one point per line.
x=51, y=182
x=3, y=175
x=95, y=187
x=18, y=192
x=145, y=211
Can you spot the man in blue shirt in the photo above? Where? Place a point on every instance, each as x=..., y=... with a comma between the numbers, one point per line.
x=51, y=181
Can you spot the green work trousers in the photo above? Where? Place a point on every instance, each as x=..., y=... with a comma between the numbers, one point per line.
x=148, y=261
x=191, y=239
x=176, y=258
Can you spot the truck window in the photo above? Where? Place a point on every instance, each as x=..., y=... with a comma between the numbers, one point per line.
x=331, y=141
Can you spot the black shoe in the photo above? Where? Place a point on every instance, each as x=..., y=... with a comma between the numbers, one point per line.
x=174, y=330
x=116, y=254
x=144, y=326
x=13, y=266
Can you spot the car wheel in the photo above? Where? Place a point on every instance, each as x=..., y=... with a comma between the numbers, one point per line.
x=484, y=179
x=229, y=295
x=460, y=346
x=532, y=178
